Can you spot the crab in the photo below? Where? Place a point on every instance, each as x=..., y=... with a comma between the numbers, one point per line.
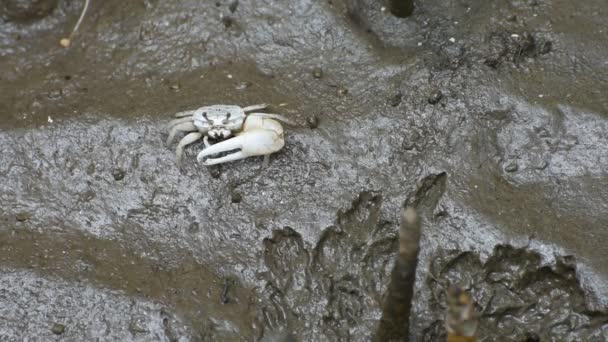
x=253, y=134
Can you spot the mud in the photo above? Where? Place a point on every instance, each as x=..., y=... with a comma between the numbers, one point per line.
x=489, y=117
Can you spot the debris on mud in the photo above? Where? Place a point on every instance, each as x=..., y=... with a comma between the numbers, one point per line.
x=312, y=121
x=514, y=48
x=23, y=216
x=58, y=329
x=518, y=296
x=317, y=72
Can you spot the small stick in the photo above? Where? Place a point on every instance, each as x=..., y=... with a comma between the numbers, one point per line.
x=66, y=42
x=394, y=324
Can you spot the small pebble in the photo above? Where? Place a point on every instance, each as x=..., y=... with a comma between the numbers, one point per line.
x=90, y=169
x=58, y=329
x=512, y=167
x=542, y=132
x=570, y=140
x=542, y=165
x=317, y=72
x=215, y=172
x=227, y=21
x=194, y=227
x=55, y=94
x=233, y=6
x=23, y=216
x=313, y=122
x=243, y=85
x=118, y=174
x=136, y=328
x=491, y=62
x=545, y=48
x=395, y=100
x=409, y=143
x=236, y=197
x=435, y=97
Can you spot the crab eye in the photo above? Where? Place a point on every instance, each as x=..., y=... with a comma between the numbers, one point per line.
x=225, y=121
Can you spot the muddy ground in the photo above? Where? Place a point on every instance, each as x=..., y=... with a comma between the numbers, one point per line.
x=489, y=116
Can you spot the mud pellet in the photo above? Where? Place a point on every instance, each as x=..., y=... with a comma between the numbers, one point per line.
x=58, y=329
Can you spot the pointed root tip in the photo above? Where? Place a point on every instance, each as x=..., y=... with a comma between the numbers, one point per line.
x=409, y=215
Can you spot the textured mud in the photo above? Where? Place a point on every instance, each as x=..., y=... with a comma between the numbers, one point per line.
x=490, y=117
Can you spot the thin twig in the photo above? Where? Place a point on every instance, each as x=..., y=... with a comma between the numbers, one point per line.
x=66, y=42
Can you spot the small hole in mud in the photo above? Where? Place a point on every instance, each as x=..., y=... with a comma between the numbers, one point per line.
x=227, y=21
x=118, y=174
x=531, y=337
x=236, y=197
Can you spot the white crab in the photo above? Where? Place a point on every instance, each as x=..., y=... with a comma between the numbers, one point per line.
x=256, y=134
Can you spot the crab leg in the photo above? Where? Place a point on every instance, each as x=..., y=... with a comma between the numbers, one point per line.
x=185, y=113
x=272, y=116
x=188, y=139
x=255, y=107
x=266, y=161
x=179, y=121
x=183, y=127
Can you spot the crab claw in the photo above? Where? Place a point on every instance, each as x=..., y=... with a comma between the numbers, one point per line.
x=260, y=137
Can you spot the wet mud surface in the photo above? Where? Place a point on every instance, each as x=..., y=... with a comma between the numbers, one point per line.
x=489, y=117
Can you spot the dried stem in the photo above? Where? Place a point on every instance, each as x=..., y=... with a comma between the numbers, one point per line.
x=66, y=42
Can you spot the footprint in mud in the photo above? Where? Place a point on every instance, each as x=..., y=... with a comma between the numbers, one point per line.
x=517, y=296
x=342, y=278
x=287, y=279
x=355, y=226
x=287, y=260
